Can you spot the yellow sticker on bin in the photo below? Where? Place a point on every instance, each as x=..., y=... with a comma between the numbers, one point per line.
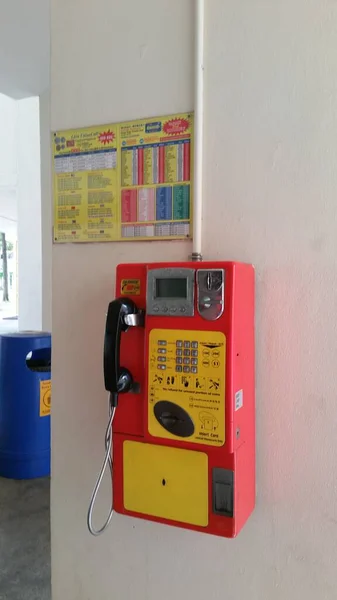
x=45, y=398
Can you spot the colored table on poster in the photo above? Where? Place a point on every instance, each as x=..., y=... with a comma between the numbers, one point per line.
x=123, y=182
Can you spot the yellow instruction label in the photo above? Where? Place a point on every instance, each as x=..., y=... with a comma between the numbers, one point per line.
x=187, y=368
x=130, y=287
x=45, y=398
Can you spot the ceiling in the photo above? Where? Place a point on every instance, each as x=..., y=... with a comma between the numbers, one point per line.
x=24, y=47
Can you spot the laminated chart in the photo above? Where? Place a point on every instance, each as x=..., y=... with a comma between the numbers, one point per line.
x=124, y=182
x=86, y=185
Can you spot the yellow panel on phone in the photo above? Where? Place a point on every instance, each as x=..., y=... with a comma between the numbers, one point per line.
x=166, y=482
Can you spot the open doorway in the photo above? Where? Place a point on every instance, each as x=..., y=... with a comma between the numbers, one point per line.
x=8, y=281
x=8, y=214
x=20, y=215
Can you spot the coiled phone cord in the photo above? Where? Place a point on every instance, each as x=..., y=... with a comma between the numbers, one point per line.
x=107, y=461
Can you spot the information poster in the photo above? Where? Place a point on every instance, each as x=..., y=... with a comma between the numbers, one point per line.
x=124, y=182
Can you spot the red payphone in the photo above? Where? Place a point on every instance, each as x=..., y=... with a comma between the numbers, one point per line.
x=179, y=362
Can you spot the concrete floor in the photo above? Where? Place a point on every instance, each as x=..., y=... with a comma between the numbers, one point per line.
x=24, y=539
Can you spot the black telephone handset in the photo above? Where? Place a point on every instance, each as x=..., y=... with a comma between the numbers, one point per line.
x=117, y=379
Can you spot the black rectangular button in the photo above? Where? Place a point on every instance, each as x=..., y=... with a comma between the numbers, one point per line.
x=223, y=498
x=223, y=492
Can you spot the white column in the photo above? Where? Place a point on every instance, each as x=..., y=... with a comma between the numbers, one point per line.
x=29, y=214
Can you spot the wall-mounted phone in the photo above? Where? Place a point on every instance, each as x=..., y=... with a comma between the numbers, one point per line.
x=184, y=431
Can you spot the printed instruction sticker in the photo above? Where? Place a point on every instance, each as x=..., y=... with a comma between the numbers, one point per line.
x=45, y=398
x=130, y=287
x=183, y=371
x=239, y=400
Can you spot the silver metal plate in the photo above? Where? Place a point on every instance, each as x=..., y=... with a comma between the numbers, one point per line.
x=210, y=293
x=170, y=307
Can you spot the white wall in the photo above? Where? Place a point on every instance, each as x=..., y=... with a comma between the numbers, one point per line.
x=24, y=47
x=270, y=192
x=8, y=159
x=29, y=214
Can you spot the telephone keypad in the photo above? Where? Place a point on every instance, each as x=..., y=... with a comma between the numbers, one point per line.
x=183, y=354
x=183, y=361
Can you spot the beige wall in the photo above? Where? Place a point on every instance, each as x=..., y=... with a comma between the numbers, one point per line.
x=46, y=211
x=270, y=198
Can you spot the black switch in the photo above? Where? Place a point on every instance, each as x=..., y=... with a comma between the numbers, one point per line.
x=223, y=492
x=223, y=498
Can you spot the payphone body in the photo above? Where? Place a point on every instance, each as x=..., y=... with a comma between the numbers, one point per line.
x=184, y=435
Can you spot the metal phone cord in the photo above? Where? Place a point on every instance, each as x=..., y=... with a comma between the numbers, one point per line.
x=106, y=462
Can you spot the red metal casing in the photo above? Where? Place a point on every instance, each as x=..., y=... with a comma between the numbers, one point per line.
x=238, y=452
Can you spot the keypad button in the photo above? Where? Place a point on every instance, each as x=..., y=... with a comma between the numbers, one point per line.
x=161, y=350
x=194, y=344
x=179, y=369
x=182, y=309
x=194, y=361
x=186, y=361
x=162, y=343
x=187, y=352
x=187, y=344
x=179, y=352
x=187, y=370
x=162, y=367
x=179, y=361
x=161, y=358
x=194, y=370
x=179, y=344
x=194, y=352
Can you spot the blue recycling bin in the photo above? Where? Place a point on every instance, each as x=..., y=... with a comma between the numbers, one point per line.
x=25, y=401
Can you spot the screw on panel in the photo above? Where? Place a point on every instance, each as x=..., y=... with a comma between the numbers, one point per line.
x=238, y=434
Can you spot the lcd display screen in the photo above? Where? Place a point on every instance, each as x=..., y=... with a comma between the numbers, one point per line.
x=171, y=288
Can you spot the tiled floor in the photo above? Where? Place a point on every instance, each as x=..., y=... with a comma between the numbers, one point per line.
x=24, y=540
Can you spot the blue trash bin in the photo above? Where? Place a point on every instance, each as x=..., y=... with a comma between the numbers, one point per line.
x=25, y=400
